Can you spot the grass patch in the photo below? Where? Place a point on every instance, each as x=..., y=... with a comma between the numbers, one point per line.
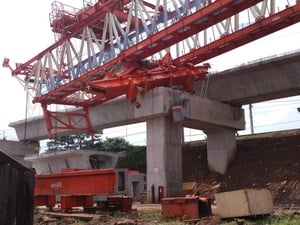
x=157, y=218
x=269, y=220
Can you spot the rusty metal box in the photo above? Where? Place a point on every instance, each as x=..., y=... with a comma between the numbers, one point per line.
x=180, y=207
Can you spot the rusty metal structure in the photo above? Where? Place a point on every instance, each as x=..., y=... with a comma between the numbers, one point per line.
x=112, y=48
x=59, y=178
x=102, y=186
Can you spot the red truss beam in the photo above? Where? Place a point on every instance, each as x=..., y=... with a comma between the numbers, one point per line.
x=136, y=79
x=67, y=120
x=109, y=86
x=186, y=27
x=142, y=80
x=81, y=22
x=73, y=24
x=260, y=28
x=139, y=79
x=165, y=75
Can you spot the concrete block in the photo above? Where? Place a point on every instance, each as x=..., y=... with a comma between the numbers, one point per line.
x=246, y=202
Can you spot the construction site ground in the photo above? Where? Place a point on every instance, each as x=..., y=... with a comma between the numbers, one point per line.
x=270, y=160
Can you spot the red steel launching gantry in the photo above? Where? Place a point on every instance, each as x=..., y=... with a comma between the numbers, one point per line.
x=111, y=48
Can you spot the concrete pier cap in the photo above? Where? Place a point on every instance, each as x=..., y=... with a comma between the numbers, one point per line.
x=218, y=120
x=221, y=148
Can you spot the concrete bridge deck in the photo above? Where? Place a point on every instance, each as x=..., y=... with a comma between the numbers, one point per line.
x=217, y=112
x=261, y=81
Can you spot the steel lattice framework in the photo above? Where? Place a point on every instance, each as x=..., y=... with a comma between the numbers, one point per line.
x=111, y=48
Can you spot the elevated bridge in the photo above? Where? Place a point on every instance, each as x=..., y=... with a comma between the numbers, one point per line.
x=149, y=54
x=256, y=82
x=217, y=112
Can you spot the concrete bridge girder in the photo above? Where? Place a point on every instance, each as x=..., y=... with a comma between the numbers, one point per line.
x=164, y=136
x=261, y=81
x=247, y=84
x=200, y=113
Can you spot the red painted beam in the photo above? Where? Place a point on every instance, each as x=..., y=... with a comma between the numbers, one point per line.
x=194, y=23
x=133, y=84
x=261, y=28
x=186, y=27
x=81, y=23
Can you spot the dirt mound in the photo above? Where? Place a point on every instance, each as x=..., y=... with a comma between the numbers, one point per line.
x=269, y=160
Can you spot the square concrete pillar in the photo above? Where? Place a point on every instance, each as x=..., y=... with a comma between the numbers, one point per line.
x=164, y=157
x=221, y=148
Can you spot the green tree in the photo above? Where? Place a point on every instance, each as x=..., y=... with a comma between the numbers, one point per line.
x=135, y=159
x=78, y=141
x=117, y=144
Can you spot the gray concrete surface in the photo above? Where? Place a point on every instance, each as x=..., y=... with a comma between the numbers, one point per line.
x=19, y=149
x=264, y=80
x=74, y=159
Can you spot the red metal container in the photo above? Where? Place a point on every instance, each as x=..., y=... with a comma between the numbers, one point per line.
x=189, y=207
x=77, y=187
x=81, y=182
x=180, y=207
x=122, y=203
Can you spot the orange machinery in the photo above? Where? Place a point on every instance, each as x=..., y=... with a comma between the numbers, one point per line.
x=82, y=188
x=122, y=49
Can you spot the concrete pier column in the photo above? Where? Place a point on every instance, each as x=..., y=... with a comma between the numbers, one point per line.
x=164, y=157
x=221, y=148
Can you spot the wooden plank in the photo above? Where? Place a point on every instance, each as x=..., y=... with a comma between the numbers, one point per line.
x=81, y=216
x=190, y=188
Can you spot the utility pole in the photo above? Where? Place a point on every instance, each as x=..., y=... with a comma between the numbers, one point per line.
x=251, y=118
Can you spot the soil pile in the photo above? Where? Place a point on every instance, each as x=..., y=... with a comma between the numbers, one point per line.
x=269, y=160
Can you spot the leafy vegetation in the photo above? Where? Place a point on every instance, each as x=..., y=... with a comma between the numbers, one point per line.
x=135, y=159
x=76, y=141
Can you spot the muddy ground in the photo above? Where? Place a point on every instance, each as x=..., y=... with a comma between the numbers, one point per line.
x=269, y=160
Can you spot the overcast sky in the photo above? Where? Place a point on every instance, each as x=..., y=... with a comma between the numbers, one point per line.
x=25, y=32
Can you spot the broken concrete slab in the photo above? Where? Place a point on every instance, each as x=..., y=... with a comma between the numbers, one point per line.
x=246, y=202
